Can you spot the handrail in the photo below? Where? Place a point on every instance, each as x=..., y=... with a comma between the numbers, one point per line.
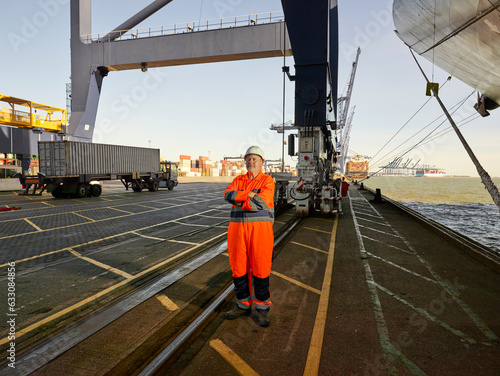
x=189, y=27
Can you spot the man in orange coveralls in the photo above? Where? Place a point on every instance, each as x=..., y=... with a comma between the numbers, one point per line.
x=250, y=237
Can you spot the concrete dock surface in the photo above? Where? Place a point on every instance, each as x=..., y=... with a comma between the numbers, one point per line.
x=369, y=292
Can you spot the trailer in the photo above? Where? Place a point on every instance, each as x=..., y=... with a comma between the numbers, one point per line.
x=76, y=169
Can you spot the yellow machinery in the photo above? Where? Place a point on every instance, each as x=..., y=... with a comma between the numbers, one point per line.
x=27, y=114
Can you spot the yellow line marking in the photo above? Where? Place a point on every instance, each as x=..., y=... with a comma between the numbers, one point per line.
x=101, y=220
x=46, y=203
x=294, y=281
x=148, y=207
x=103, y=292
x=181, y=242
x=101, y=265
x=90, y=219
x=315, y=229
x=281, y=223
x=32, y=224
x=164, y=240
x=167, y=303
x=98, y=240
x=314, y=355
x=232, y=358
x=120, y=210
x=79, y=200
x=308, y=246
x=145, y=236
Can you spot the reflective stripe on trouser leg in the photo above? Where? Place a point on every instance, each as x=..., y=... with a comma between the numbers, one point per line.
x=262, y=295
x=243, y=297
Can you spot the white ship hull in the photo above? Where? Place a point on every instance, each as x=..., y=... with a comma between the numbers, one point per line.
x=465, y=41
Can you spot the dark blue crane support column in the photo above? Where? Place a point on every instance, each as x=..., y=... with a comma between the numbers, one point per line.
x=315, y=50
x=333, y=62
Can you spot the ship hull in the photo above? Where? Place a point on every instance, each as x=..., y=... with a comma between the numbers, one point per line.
x=465, y=43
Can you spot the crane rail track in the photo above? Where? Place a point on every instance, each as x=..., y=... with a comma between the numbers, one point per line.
x=41, y=346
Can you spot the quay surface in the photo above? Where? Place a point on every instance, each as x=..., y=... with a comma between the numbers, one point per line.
x=374, y=291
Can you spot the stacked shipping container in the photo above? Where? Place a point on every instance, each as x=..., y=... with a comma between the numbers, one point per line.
x=205, y=167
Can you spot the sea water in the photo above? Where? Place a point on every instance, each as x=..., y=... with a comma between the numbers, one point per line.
x=460, y=203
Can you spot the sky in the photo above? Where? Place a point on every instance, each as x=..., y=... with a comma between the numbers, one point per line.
x=219, y=109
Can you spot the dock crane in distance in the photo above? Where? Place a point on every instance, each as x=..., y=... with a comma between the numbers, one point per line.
x=51, y=119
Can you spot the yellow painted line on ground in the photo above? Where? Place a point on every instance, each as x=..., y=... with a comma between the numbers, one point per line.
x=308, y=246
x=167, y=303
x=46, y=203
x=181, y=242
x=295, y=282
x=120, y=210
x=281, y=223
x=90, y=219
x=34, y=257
x=97, y=240
x=163, y=240
x=100, y=220
x=32, y=224
x=324, y=220
x=315, y=347
x=145, y=236
x=101, y=265
x=80, y=201
x=147, y=207
x=232, y=358
x=102, y=293
x=315, y=229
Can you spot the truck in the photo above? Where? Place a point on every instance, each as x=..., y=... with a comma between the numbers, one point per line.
x=76, y=169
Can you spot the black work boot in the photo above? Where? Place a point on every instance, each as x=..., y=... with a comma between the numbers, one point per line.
x=263, y=317
x=237, y=312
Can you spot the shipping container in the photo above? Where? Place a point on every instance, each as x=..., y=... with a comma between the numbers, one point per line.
x=74, y=169
x=70, y=158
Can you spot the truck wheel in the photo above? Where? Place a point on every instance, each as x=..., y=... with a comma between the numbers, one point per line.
x=57, y=192
x=170, y=185
x=81, y=191
x=136, y=188
x=95, y=190
x=153, y=186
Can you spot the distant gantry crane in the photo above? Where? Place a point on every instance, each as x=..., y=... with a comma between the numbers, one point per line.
x=342, y=137
x=22, y=113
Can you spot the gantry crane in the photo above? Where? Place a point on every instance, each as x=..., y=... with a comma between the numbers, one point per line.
x=27, y=114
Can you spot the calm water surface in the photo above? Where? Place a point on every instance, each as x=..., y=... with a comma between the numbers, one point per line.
x=462, y=204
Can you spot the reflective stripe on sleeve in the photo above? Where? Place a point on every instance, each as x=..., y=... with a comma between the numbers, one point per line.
x=230, y=197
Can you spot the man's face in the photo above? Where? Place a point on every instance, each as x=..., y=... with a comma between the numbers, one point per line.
x=254, y=163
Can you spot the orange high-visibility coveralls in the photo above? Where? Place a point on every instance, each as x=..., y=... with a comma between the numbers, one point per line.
x=250, y=238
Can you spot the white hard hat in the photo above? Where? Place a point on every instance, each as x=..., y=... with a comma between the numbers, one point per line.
x=255, y=150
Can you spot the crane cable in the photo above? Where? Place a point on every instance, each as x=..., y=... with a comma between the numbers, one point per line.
x=457, y=106
x=460, y=104
x=410, y=119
